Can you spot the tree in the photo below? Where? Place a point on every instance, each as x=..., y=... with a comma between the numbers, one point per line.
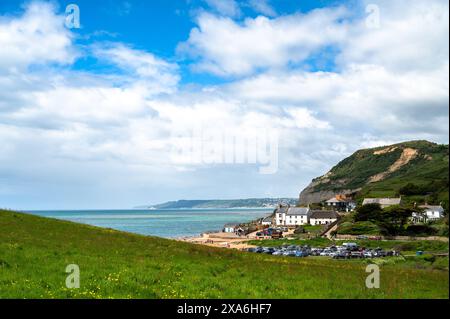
x=411, y=189
x=394, y=219
x=368, y=212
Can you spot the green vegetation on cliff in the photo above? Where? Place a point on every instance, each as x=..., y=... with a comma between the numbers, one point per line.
x=418, y=169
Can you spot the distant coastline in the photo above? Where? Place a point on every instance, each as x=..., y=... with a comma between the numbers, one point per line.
x=166, y=223
x=249, y=203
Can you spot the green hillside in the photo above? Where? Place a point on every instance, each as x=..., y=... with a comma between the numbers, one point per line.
x=422, y=166
x=35, y=251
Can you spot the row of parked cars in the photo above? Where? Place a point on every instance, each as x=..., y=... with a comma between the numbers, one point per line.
x=346, y=251
x=293, y=251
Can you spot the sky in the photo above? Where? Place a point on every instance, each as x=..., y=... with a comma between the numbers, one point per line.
x=141, y=102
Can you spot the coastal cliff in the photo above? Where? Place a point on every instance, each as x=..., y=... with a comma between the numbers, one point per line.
x=384, y=171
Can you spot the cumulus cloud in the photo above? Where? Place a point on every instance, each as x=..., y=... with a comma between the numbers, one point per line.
x=412, y=35
x=226, y=47
x=263, y=7
x=225, y=7
x=37, y=37
x=140, y=65
x=88, y=133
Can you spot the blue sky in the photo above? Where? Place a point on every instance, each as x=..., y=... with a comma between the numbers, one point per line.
x=111, y=115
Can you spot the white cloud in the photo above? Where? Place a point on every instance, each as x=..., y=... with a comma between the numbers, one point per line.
x=143, y=65
x=37, y=37
x=226, y=47
x=86, y=134
x=263, y=7
x=225, y=7
x=413, y=35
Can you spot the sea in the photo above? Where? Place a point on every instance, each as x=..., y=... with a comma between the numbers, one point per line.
x=162, y=223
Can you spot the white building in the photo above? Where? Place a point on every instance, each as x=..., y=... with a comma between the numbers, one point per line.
x=341, y=203
x=267, y=221
x=322, y=217
x=292, y=216
x=230, y=228
x=383, y=202
x=430, y=213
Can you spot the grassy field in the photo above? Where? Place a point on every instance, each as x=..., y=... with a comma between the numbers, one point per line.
x=35, y=251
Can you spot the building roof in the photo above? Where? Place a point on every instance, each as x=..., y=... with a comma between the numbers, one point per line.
x=432, y=207
x=298, y=211
x=382, y=201
x=323, y=214
x=340, y=199
x=282, y=209
x=267, y=219
x=230, y=225
x=334, y=200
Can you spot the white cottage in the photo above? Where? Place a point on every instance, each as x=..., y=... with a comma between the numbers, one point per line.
x=267, y=221
x=430, y=213
x=322, y=217
x=230, y=228
x=292, y=216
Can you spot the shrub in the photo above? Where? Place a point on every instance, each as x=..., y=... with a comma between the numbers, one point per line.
x=359, y=228
x=420, y=230
x=368, y=212
x=441, y=263
x=428, y=257
x=412, y=189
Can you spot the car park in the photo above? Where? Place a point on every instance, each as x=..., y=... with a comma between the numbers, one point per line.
x=345, y=251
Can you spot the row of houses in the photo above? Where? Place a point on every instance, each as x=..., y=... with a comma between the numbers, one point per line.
x=296, y=216
x=424, y=213
x=286, y=215
x=341, y=202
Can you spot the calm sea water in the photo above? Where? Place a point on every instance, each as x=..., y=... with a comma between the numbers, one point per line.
x=162, y=223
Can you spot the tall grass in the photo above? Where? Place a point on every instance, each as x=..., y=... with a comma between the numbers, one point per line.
x=35, y=251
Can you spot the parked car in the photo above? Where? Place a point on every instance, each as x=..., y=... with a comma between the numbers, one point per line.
x=277, y=235
x=356, y=254
x=342, y=255
x=258, y=250
x=380, y=253
x=362, y=237
x=325, y=252
x=268, y=250
x=351, y=246
x=300, y=253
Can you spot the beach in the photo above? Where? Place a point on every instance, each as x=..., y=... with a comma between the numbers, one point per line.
x=225, y=240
